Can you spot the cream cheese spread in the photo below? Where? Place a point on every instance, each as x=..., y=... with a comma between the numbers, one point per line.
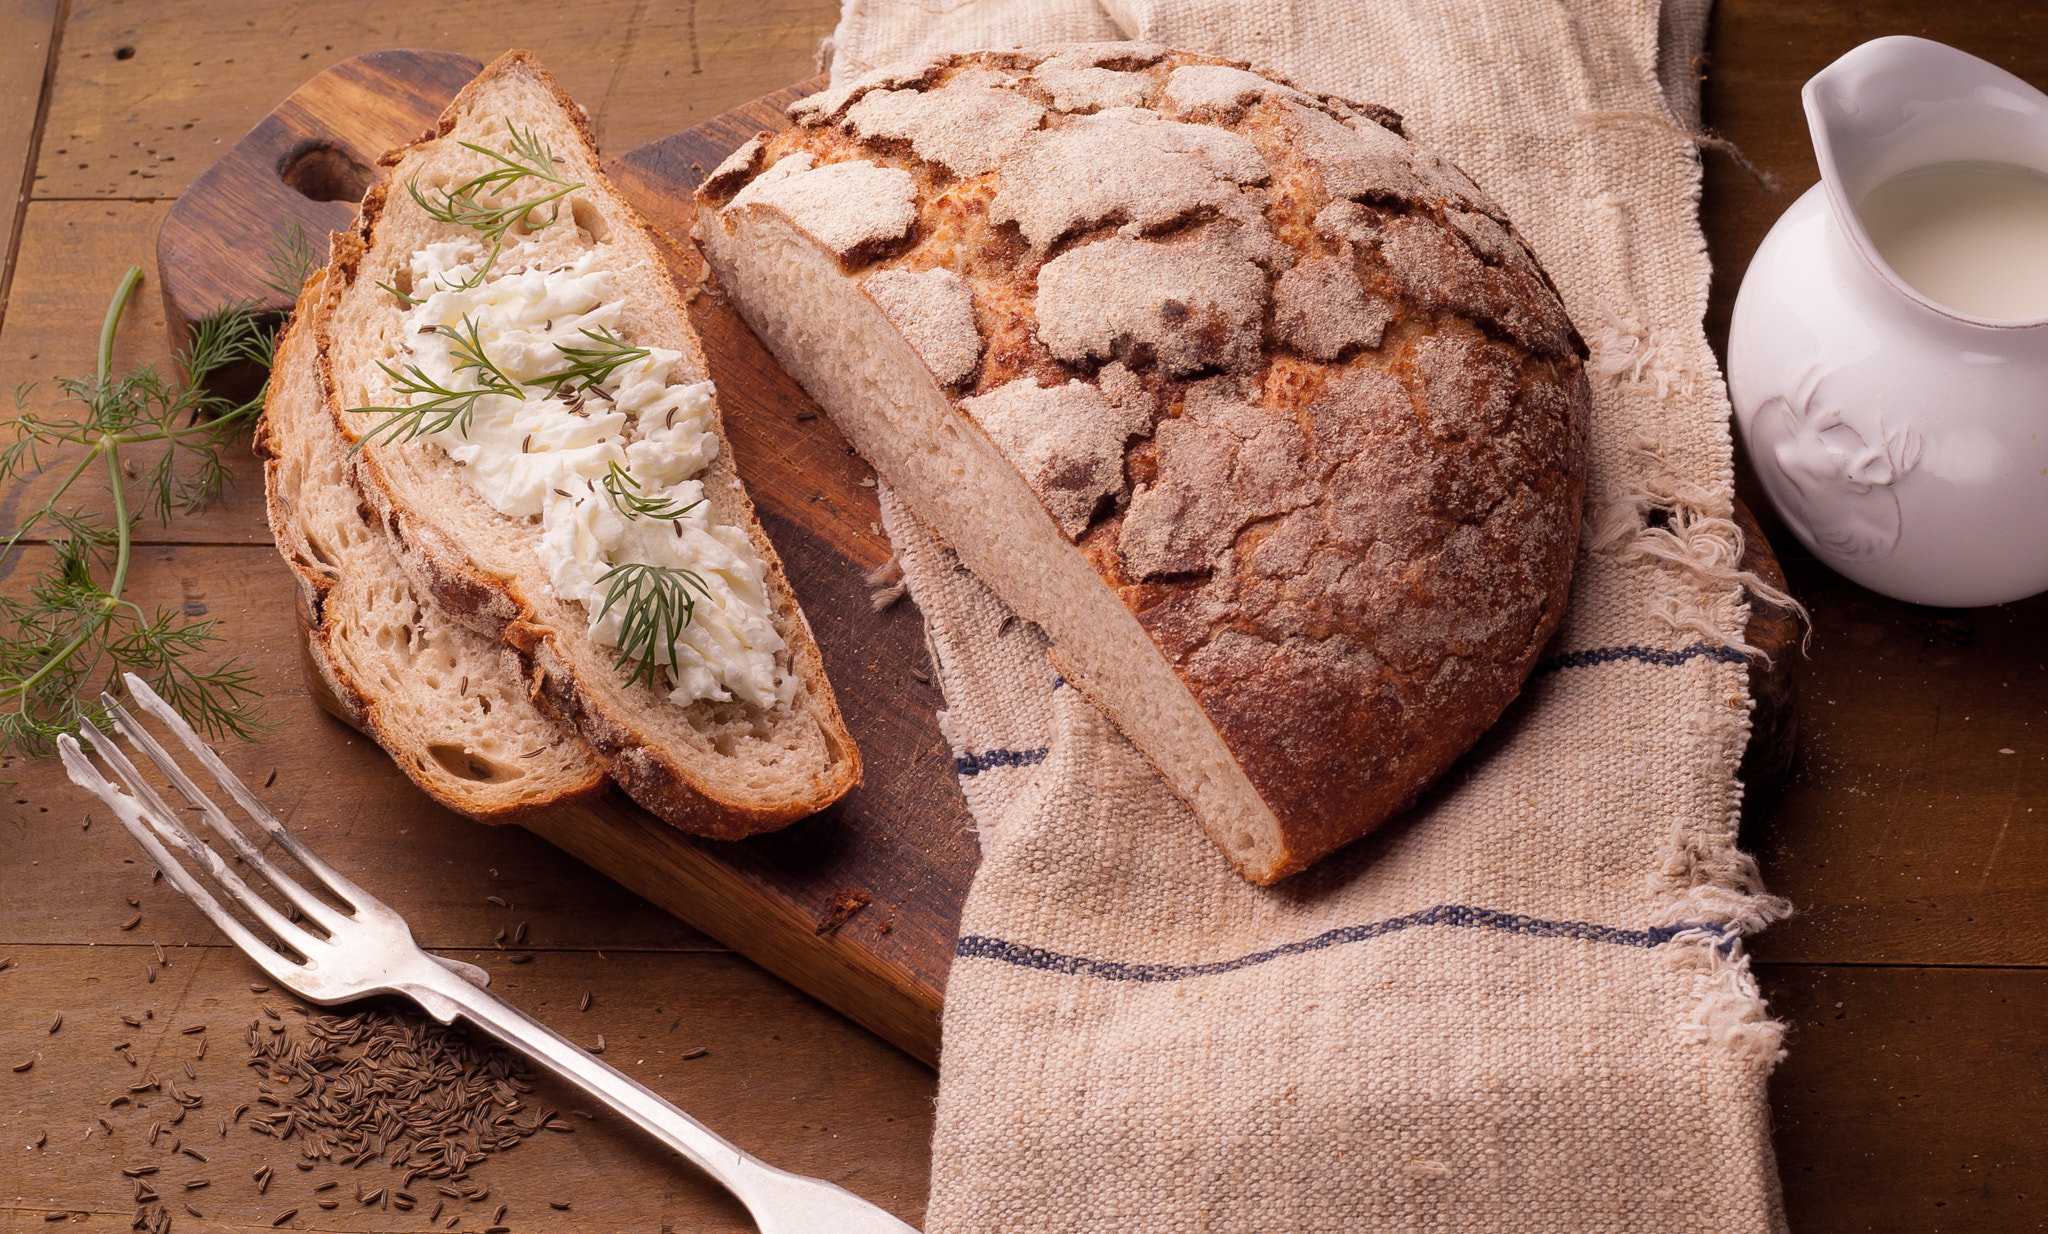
x=549, y=455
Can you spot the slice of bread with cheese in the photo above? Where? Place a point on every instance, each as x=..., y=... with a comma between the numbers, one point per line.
x=1263, y=411
x=532, y=422
x=449, y=704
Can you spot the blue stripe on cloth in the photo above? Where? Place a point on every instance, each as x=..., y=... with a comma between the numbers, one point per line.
x=972, y=764
x=1456, y=915
x=1668, y=658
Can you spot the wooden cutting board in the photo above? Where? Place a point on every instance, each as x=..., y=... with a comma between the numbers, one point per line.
x=857, y=906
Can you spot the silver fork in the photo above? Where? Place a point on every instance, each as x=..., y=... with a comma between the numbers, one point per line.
x=371, y=951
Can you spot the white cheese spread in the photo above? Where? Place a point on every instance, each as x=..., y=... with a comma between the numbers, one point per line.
x=548, y=455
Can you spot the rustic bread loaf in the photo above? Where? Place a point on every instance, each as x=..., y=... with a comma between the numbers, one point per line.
x=449, y=704
x=720, y=767
x=1260, y=409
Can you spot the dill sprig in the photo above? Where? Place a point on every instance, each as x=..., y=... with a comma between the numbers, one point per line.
x=442, y=407
x=55, y=641
x=462, y=206
x=292, y=262
x=656, y=605
x=633, y=505
x=590, y=366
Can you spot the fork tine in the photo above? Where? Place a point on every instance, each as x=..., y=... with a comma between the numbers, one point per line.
x=131, y=813
x=166, y=822
x=286, y=885
x=340, y=884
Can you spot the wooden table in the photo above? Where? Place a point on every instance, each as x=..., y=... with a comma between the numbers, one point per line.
x=1916, y=1093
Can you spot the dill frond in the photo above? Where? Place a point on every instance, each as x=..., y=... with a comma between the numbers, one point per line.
x=655, y=605
x=441, y=407
x=633, y=505
x=589, y=366
x=462, y=206
x=72, y=634
x=292, y=262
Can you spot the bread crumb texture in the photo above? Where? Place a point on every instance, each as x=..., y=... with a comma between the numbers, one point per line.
x=1292, y=382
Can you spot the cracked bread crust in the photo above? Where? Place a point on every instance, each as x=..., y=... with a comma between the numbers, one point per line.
x=1350, y=522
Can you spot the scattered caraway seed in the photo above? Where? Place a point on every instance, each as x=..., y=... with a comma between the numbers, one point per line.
x=560, y=1206
x=155, y=1130
x=499, y=1229
x=132, y=922
x=695, y=1051
x=6, y=964
x=25, y=1066
x=197, y=1183
x=195, y=1212
x=118, y=1102
x=304, y=1165
x=55, y=1216
x=499, y=1215
x=520, y=958
x=179, y=1117
x=189, y=1073
x=284, y=1216
x=583, y=1113
x=42, y=1138
x=519, y=935
x=329, y=1185
x=57, y=1023
x=140, y=1171
x=193, y=1028
x=195, y=1154
x=497, y=900
x=106, y=1126
x=272, y=779
x=202, y=1049
x=436, y=1214
x=160, y=953
x=149, y=973
x=585, y=1004
x=131, y=1021
x=223, y=1127
x=330, y=1203
x=599, y=1047
x=453, y=1222
x=499, y=938
x=133, y=902
x=259, y=989
x=374, y=1196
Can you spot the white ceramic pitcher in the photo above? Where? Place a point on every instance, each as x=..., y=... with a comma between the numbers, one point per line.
x=1905, y=443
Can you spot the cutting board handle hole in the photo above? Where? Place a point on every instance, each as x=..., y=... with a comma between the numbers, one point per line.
x=323, y=171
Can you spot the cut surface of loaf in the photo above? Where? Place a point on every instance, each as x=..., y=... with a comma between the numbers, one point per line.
x=1263, y=411
x=449, y=704
x=725, y=765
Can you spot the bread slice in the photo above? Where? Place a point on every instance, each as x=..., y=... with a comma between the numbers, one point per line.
x=449, y=704
x=1261, y=410
x=718, y=769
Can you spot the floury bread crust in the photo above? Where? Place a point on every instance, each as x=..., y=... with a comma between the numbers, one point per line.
x=723, y=770
x=1261, y=410
x=449, y=704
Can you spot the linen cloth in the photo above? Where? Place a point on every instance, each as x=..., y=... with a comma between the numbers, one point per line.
x=1523, y=1006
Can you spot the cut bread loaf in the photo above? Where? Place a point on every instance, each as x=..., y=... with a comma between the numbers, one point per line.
x=1261, y=410
x=449, y=704
x=720, y=767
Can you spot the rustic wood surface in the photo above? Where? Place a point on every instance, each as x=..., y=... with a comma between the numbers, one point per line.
x=1914, y=1096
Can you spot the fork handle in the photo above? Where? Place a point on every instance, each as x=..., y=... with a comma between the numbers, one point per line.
x=779, y=1200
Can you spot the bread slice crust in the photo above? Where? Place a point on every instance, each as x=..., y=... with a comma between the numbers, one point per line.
x=720, y=770
x=450, y=705
x=1276, y=425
